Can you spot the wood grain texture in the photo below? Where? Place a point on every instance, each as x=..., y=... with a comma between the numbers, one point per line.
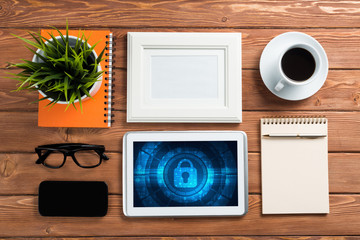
x=253, y=43
x=180, y=13
x=343, y=129
x=197, y=238
x=335, y=24
x=20, y=175
x=15, y=101
x=342, y=220
x=21, y=134
x=340, y=92
x=255, y=40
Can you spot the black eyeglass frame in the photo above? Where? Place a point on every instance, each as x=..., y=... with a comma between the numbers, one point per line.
x=69, y=149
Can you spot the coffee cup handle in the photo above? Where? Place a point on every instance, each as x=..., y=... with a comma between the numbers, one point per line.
x=279, y=86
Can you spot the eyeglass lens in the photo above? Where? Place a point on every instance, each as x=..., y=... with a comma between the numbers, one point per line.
x=85, y=158
x=54, y=159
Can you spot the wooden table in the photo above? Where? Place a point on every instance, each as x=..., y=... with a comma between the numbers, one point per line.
x=335, y=24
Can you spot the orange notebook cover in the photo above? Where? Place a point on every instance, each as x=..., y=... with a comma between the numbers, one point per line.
x=97, y=111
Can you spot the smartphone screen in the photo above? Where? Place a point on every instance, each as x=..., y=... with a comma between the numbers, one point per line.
x=73, y=198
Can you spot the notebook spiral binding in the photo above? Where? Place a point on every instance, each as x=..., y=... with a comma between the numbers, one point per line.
x=108, y=103
x=294, y=120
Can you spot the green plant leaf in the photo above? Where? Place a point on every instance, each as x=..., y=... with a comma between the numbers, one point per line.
x=86, y=92
x=71, y=101
x=66, y=85
x=67, y=72
x=80, y=101
x=37, y=38
x=60, y=34
x=37, y=54
x=88, y=85
x=53, y=102
x=34, y=44
x=67, y=34
x=100, y=57
x=44, y=80
x=40, y=99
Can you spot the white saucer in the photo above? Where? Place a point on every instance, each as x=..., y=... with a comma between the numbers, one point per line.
x=269, y=63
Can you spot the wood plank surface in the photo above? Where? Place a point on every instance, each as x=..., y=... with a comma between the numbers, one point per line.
x=196, y=238
x=23, y=219
x=335, y=24
x=21, y=134
x=340, y=92
x=253, y=43
x=181, y=13
x=20, y=175
x=255, y=40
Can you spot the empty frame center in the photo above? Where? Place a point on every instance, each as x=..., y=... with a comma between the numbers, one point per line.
x=184, y=76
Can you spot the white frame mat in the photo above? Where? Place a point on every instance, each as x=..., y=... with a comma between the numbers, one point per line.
x=184, y=77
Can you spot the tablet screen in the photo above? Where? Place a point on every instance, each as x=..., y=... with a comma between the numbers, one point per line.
x=185, y=173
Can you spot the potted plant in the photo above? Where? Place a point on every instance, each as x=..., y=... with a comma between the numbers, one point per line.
x=64, y=69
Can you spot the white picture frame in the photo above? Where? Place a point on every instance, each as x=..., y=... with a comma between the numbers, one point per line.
x=184, y=77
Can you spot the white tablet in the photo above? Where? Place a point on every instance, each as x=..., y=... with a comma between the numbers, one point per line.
x=193, y=173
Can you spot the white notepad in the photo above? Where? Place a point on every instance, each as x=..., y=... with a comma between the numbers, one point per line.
x=294, y=165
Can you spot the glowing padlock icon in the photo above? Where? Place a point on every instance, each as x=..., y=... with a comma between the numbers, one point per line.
x=185, y=177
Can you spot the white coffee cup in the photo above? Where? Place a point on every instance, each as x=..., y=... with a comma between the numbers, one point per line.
x=284, y=80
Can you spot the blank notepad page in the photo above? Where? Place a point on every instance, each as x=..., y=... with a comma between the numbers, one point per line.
x=294, y=165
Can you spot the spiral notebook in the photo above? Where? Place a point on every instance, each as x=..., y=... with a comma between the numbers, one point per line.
x=97, y=111
x=294, y=165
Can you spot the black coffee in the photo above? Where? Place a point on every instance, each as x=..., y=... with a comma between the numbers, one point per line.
x=298, y=64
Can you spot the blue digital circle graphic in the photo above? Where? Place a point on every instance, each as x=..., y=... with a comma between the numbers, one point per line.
x=194, y=173
x=176, y=165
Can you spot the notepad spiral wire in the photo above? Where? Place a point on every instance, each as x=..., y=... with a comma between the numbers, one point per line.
x=293, y=120
x=109, y=72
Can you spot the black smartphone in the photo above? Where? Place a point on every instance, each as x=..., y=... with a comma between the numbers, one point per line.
x=73, y=198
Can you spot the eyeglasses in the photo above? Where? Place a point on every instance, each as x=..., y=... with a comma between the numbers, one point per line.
x=84, y=155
